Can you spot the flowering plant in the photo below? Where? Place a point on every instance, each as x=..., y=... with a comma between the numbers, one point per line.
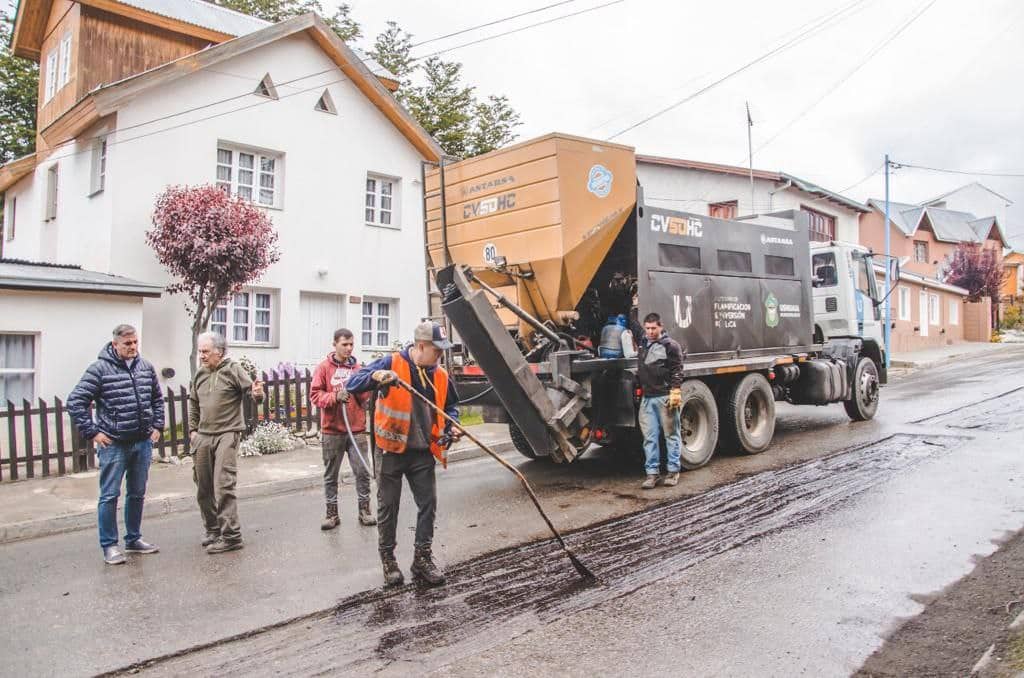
x=268, y=438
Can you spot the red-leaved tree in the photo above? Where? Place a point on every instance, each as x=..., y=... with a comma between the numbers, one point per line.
x=977, y=270
x=212, y=244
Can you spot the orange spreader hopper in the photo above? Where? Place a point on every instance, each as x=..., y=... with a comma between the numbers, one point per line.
x=534, y=220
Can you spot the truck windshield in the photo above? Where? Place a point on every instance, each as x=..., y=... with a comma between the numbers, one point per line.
x=824, y=268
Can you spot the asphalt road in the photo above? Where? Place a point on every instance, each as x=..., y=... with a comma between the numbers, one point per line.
x=798, y=560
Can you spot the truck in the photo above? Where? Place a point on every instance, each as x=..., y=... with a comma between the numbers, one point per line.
x=531, y=248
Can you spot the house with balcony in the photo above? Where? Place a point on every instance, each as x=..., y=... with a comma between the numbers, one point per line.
x=136, y=95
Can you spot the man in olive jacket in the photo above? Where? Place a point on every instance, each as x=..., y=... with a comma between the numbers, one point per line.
x=215, y=425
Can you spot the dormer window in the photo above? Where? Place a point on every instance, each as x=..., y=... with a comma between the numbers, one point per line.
x=266, y=88
x=64, y=62
x=51, y=77
x=325, y=103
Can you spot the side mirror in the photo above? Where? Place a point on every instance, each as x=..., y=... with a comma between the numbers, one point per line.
x=894, y=271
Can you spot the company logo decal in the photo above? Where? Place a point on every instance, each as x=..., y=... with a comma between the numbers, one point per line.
x=771, y=311
x=683, y=321
x=482, y=208
x=774, y=240
x=487, y=185
x=688, y=226
x=599, y=181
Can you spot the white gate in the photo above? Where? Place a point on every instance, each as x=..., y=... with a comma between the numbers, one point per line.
x=320, y=314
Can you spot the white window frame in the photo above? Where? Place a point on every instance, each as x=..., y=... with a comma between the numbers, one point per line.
x=64, y=64
x=923, y=260
x=904, y=309
x=375, y=331
x=373, y=210
x=231, y=170
x=954, y=312
x=51, y=77
x=34, y=370
x=229, y=322
x=934, y=310
x=98, y=175
x=12, y=215
x=52, y=189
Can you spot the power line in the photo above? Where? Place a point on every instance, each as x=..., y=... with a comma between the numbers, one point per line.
x=492, y=23
x=818, y=24
x=953, y=171
x=870, y=55
x=523, y=28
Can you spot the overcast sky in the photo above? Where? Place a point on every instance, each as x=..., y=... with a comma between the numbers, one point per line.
x=946, y=92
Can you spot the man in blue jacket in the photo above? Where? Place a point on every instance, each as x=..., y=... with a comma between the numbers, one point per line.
x=129, y=419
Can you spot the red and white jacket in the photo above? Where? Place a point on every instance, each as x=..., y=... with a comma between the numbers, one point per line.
x=328, y=377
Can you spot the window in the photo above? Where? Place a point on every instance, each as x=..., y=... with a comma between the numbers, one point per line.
x=822, y=226
x=904, y=309
x=381, y=194
x=325, y=103
x=12, y=213
x=51, y=77
x=377, y=327
x=678, y=256
x=51, y=194
x=729, y=260
x=65, y=61
x=246, y=318
x=823, y=266
x=933, y=309
x=774, y=265
x=723, y=210
x=249, y=175
x=954, y=312
x=921, y=251
x=17, y=367
x=98, y=179
x=266, y=88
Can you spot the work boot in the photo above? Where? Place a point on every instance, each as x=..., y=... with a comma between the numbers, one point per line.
x=424, y=567
x=332, y=520
x=392, y=573
x=650, y=483
x=222, y=546
x=211, y=536
x=366, y=516
x=113, y=555
x=671, y=480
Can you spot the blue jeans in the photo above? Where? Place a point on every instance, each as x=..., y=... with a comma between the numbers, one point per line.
x=117, y=461
x=657, y=419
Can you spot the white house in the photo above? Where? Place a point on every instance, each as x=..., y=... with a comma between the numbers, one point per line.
x=975, y=198
x=284, y=115
x=724, y=191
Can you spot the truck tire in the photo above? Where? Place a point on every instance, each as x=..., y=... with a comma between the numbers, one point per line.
x=748, y=415
x=520, y=442
x=698, y=421
x=864, y=401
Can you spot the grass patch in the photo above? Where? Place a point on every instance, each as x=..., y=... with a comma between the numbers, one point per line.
x=1015, y=652
x=471, y=417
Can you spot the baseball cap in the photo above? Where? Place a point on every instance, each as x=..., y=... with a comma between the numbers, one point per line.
x=432, y=332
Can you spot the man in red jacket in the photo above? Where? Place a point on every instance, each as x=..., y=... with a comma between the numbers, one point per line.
x=329, y=394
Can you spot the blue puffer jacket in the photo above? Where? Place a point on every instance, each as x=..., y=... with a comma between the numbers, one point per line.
x=128, y=401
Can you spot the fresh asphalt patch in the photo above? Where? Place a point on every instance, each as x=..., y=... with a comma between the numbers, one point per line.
x=1003, y=413
x=500, y=596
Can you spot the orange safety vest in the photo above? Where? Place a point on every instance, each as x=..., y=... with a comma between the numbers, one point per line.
x=393, y=415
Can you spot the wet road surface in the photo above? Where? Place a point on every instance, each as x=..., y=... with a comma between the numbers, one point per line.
x=523, y=610
x=797, y=559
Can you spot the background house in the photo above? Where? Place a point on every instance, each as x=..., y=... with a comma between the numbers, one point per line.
x=724, y=191
x=284, y=115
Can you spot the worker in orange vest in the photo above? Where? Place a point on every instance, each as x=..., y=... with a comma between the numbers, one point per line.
x=412, y=439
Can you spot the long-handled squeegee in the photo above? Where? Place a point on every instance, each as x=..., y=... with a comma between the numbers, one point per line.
x=583, y=570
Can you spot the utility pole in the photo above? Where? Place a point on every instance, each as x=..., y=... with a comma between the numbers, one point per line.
x=888, y=255
x=750, y=156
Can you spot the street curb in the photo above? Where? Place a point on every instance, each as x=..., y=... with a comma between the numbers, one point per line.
x=72, y=522
x=910, y=364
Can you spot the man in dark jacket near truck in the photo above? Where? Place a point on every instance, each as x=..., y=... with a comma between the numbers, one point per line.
x=129, y=419
x=660, y=373
x=328, y=393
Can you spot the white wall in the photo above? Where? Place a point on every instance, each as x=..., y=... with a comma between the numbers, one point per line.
x=979, y=201
x=692, y=190
x=320, y=223
x=71, y=328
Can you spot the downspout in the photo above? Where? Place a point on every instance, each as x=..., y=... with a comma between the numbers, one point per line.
x=771, y=194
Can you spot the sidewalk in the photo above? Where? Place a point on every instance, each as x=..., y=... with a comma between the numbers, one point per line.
x=936, y=356
x=43, y=506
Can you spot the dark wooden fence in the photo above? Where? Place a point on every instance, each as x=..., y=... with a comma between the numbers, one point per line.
x=39, y=439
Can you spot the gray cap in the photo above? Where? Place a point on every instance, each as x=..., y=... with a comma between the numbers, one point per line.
x=432, y=332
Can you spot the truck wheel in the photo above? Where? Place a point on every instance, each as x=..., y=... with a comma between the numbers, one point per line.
x=698, y=423
x=864, y=403
x=748, y=415
x=519, y=440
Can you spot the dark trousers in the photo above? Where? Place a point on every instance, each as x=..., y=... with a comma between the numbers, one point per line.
x=417, y=466
x=334, y=447
x=216, y=467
